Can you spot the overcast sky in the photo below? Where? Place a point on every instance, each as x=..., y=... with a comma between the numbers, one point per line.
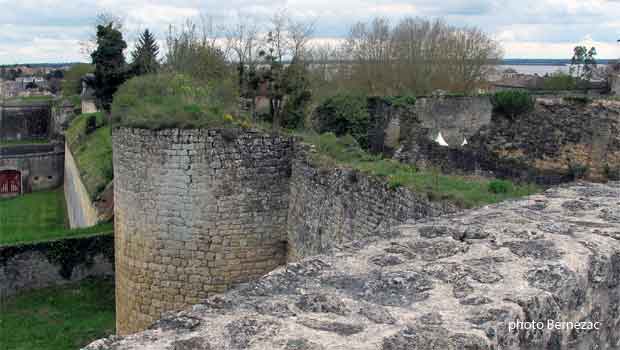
x=50, y=30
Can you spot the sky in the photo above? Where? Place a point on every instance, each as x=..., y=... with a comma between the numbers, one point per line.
x=51, y=30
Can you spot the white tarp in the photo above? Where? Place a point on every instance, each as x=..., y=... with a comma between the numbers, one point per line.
x=440, y=140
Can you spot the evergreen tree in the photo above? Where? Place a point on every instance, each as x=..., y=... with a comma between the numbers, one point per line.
x=109, y=61
x=145, y=55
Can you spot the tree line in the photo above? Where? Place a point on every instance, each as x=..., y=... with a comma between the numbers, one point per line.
x=281, y=61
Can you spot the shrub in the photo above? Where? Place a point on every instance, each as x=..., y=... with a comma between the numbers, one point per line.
x=72, y=84
x=612, y=174
x=500, y=186
x=401, y=101
x=560, y=81
x=160, y=101
x=91, y=124
x=345, y=114
x=577, y=170
x=512, y=102
x=577, y=99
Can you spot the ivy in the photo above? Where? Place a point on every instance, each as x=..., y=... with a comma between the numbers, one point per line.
x=67, y=254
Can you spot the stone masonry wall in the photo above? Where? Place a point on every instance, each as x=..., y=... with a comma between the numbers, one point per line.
x=38, y=265
x=196, y=211
x=80, y=208
x=615, y=84
x=458, y=282
x=41, y=166
x=23, y=121
x=456, y=117
x=552, y=144
x=329, y=207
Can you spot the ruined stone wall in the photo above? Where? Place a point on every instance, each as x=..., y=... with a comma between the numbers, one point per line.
x=80, y=208
x=329, y=207
x=615, y=84
x=561, y=138
x=456, y=117
x=62, y=115
x=556, y=142
x=196, y=211
x=38, y=265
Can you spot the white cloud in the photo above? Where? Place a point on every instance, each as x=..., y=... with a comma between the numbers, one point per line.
x=47, y=30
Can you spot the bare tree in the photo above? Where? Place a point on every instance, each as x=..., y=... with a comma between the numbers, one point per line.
x=418, y=56
x=300, y=34
x=277, y=39
x=369, y=47
x=90, y=44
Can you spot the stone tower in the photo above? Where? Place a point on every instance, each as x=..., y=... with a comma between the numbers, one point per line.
x=196, y=211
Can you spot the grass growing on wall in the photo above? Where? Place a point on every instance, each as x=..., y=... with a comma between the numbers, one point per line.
x=92, y=151
x=167, y=100
x=58, y=318
x=23, y=142
x=464, y=191
x=34, y=98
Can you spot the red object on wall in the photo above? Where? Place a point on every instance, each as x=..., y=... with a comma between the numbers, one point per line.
x=10, y=182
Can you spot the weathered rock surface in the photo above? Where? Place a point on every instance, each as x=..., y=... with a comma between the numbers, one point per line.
x=453, y=283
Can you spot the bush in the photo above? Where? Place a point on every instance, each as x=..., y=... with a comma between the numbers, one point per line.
x=401, y=101
x=345, y=114
x=91, y=124
x=500, y=186
x=512, y=102
x=72, y=84
x=560, y=81
x=612, y=174
x=577, y=170
x=578, y=99
x=160, y=101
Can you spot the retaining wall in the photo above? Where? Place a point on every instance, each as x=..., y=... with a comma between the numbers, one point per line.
x=37, y=265
x=80, y=208
x=328, y=207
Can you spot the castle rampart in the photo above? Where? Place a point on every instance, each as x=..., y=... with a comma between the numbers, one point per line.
x=196, y=211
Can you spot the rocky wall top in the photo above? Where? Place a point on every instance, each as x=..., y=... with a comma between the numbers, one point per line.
x=457, y=282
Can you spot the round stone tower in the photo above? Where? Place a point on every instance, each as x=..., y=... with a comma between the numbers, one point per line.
x=196, y=211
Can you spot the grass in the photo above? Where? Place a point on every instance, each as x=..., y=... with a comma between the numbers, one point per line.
x=58, y=318
x=23, y=142
x=32, y=214
x=39, y=216
x=35, y=98
x=92, y=152
x=50, y=235
x=465, y=192
x=164, y=101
